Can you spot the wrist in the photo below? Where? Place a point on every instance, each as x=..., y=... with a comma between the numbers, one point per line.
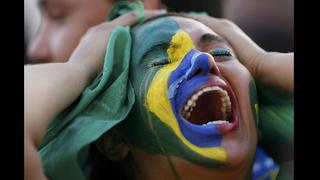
x=85, y=70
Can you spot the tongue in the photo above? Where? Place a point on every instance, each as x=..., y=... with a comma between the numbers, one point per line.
x=208, y=109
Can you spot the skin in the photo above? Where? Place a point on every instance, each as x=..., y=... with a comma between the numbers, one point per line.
x=239, y=144
x=45, y=37
x=273, y=69
x=64, y=22
x=43, y=84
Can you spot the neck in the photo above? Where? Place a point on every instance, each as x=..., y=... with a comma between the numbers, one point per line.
x=154, y=167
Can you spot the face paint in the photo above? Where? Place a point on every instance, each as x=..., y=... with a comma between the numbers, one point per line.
x=162, y=62
x=164, y=99
x=254, y=101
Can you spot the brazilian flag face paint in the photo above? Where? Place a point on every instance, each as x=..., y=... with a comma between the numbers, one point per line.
x=166, y=72
x=169, y=91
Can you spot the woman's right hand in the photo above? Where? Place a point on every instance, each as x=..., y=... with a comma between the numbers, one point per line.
x=270, y=68
x=91, y=49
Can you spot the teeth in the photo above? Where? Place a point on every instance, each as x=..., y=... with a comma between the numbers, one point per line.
x=216, y=122
x=225, y=102
x=229, y=109
x=195, y=97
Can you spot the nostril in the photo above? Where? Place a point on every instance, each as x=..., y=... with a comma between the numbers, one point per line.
x=198, y=72
x=213, y=66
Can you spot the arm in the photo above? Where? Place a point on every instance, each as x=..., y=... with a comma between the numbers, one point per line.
x=50, y=88
x=270, y=68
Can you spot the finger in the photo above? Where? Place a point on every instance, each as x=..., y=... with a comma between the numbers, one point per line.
x=153, y=13
x=133, y=17
x=244, y=47
x=125, y=20
x=212, y=22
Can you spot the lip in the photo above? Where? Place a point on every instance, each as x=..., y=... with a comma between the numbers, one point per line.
x=219, y=81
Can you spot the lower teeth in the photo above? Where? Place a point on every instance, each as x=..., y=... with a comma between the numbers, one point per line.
x=216, y=122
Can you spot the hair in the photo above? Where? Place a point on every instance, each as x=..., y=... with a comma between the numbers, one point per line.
x=212, y=7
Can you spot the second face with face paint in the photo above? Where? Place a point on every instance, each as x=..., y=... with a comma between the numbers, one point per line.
x=194, y=100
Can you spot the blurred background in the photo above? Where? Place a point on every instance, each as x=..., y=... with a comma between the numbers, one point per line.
x=268, y=22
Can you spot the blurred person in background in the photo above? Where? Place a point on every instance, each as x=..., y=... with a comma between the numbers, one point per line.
x=62, y=25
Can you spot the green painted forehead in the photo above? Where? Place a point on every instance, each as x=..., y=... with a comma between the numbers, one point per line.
x=150, y=34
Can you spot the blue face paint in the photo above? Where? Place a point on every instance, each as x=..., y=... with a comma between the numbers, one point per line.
x=184, y=81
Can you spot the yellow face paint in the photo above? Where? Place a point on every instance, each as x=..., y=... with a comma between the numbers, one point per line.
x=157, y=100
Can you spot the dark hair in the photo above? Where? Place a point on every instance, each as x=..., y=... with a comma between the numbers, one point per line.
x=212, y=7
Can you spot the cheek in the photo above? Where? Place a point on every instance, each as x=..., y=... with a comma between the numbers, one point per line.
x=64, y=40
x=236, y=74
x=239, y=78
x=157, y=96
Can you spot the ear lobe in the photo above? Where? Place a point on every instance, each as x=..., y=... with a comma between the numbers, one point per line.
x=125, y=151
x=112, y=146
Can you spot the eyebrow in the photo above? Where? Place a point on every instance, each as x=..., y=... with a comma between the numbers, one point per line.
x=208, y=37
x=160, y=46
x=42, y=3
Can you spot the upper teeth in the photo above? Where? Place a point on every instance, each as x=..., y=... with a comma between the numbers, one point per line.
x=225, y=108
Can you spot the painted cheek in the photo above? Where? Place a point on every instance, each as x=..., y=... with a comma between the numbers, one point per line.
x=254, y=101
x=157, y=100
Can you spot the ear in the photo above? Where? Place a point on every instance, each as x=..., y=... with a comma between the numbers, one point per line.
x=112, y=146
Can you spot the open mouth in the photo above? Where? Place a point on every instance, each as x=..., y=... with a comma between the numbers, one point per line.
x=213, y=103
x=208, y=105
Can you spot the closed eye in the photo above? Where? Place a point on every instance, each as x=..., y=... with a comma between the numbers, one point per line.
x=221, y=54
x=158, y=63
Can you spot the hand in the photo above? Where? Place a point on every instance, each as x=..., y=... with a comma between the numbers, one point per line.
x=91, y=50
x=270, y=68
x=43, y=84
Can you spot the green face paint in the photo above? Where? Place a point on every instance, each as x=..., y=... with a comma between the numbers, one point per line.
x=276, y=122
x=254, y=100
x=162, y=54
x=148, y=130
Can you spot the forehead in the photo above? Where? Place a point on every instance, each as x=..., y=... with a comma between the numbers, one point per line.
x=45, y=3
x=193, y=27
x=160, y=31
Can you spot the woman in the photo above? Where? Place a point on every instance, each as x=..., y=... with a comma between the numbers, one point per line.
x=178, y=69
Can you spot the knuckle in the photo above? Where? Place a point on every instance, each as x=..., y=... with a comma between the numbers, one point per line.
x=98, y=28
x=93, y=29
x=226, y=23
x=131, y=13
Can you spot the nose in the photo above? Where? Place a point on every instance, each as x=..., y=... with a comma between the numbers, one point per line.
x=39, y=49
x=202, y=64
